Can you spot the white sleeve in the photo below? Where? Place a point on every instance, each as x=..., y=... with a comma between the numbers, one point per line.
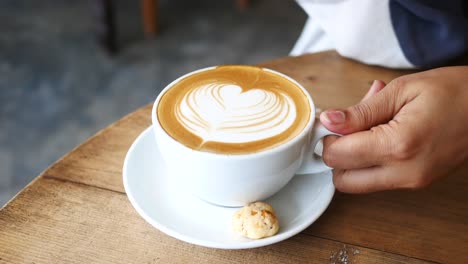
x=358, y=29
x=312, y=39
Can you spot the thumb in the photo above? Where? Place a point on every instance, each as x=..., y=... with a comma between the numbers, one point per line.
x=375, y=110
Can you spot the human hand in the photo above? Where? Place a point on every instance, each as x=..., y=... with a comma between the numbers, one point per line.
x=403, y=135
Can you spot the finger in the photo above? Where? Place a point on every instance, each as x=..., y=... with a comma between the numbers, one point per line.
x=376, y=87
x=365, y=180
x=375, y=110
x=358, y=150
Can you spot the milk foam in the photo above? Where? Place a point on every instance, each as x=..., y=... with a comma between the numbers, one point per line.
x=223, y=112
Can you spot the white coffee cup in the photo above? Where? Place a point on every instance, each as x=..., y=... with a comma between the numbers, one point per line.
x=236, y=180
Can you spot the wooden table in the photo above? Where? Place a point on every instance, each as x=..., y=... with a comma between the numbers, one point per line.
x=76, y=211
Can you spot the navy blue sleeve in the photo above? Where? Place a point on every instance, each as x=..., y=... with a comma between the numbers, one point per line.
x=431, y=32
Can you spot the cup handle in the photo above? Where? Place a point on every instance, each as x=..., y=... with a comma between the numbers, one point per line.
x=313, y=163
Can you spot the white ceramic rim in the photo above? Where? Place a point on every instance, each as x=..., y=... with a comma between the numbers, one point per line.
x=206, y=243
x=307, y=129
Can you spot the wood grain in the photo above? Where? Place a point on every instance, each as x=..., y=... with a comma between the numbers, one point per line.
x=98, y=161
x=77, y=211
x=55, y=221
x=429, y=224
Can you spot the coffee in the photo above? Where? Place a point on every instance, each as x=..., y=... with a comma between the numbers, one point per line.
x=233, y=110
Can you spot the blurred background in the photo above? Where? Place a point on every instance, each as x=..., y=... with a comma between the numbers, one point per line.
x=69, y=68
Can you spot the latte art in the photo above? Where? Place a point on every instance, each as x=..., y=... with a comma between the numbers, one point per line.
x=233, y=110
x=223, y=112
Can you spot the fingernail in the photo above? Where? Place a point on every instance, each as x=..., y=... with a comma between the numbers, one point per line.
x=372, y=88
x=334, y=116
x=374, y=85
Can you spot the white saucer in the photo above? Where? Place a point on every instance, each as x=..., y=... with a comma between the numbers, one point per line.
x=174, y=211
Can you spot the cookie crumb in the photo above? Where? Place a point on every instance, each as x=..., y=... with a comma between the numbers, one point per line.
x=342, y=256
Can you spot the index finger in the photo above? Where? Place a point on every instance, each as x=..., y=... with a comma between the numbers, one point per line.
x=358, y=150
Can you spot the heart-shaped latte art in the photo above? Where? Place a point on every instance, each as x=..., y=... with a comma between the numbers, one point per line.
x=223, y=112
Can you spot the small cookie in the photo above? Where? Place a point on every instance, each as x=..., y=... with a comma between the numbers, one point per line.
x=256, y=220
